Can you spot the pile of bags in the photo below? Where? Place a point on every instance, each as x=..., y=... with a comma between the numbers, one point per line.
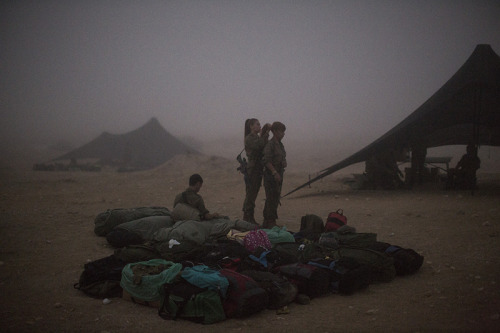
x=212, y=270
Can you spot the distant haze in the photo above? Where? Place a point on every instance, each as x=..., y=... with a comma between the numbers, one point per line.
x=339, y=74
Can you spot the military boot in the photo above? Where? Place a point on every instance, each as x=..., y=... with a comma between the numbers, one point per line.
x=249, y=218
x=268, y=224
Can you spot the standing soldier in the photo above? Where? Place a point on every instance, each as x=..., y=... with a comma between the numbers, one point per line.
x=275, y=163
x=255, y=141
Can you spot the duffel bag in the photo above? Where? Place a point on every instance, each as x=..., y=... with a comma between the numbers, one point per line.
x=347, y=275
x=310, y=280
x=144, y=279
x=278, y=235
x=244, y=296
x=280, y=290
x=136, y=253
x=406, y=261
x=182, y=299
x=101, y=278
x=356, y=239
x=105, y=222
x=381, y=264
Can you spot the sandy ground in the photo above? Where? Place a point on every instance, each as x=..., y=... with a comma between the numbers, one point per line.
x=47, y=221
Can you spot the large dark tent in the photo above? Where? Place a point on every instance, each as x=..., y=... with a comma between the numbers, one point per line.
x=146, y=147
x=466, y=109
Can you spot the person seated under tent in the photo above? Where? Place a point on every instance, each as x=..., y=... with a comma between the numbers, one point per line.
x=463, y=176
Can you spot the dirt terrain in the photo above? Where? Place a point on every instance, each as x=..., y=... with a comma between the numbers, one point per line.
x=47, y=222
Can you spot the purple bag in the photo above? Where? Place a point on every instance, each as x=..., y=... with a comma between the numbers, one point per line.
x=255, y=239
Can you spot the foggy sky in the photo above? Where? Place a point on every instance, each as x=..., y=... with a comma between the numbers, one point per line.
x=347, y=71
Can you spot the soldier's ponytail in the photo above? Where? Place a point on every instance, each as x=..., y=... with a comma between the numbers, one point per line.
x=248, y=124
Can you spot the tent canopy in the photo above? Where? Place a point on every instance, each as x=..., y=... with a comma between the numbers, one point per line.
x=146, y=147
x=466, y=109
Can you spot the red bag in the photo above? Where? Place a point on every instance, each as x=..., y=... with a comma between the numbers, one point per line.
x=244, y=296
x=335, y=220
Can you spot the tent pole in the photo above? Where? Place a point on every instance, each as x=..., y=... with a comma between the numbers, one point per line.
x=476, y=122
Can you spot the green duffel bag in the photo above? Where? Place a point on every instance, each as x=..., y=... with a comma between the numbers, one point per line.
x=181, y=251
x=356, y=239
x=278, y=235
x=143, y=280
x=136, y=253
x=289, y=253
x=182, y=299
x=105, y=222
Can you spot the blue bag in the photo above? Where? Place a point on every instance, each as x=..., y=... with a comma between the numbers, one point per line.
x=204, y=277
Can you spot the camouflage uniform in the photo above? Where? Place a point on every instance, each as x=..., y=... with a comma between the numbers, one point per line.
x=254, y=145
x=274, y=152
x=193, y=199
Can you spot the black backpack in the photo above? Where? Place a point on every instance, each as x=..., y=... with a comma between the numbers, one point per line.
x=101, y=278
x=311, y=227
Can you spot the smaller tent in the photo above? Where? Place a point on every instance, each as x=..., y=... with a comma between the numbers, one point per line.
x=146, y=147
